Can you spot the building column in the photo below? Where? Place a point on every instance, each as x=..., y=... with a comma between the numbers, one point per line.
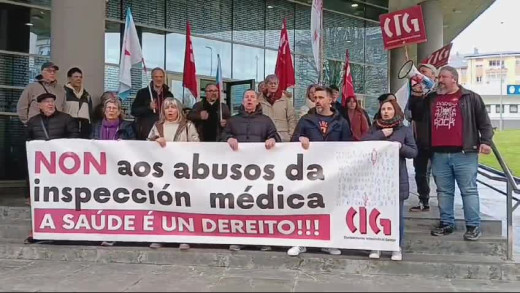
x=434, y=23
x=78, y=40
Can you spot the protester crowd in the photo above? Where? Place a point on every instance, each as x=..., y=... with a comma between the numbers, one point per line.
x=450, y=126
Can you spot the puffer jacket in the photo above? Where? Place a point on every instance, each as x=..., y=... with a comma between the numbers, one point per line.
x=58, y=125
x=309, y=127
x=250, y=127
x=27, y=106
x=282, y=113
x=404, y=135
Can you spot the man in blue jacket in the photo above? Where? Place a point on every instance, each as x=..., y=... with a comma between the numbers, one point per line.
x=322, y=123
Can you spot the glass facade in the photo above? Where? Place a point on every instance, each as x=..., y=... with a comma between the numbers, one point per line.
x=246, y=33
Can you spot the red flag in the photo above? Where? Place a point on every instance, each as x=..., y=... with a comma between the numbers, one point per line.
x=440, y=57
x=348, y=86
x=284, y=69
x=189, y=77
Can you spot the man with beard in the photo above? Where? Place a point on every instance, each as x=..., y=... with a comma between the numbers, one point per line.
x=460, y=130
x=322, y=123
x=206, y=115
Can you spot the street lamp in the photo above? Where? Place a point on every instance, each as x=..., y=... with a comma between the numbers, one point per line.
x=211, y=60
x=501, y=123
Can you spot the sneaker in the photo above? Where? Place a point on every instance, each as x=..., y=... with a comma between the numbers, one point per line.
x=296, y=250
x=184, y=246
x=332, y=251
x=108, y=243
x=420, y=208
x=374, y=254
x=266, y=248
x=397, y=255
x=442, y=230
x=155, y=245
x=234, y=247
x=473, y=233
x=29, y=240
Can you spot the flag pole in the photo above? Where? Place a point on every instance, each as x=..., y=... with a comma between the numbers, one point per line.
x=148, y=82
x=322, y=48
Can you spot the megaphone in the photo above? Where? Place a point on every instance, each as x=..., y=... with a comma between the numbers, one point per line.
x=408, y=70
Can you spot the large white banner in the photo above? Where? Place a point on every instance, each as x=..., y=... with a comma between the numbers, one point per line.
x=335, y=194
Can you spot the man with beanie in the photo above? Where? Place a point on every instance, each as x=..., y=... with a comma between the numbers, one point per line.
x=50, y=123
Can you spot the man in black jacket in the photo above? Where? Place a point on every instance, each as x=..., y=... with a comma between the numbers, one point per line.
x=250, y=125
x=50, y=123
x=145, y=108
x=206, y=115
x=422, y=163
x=460, y=129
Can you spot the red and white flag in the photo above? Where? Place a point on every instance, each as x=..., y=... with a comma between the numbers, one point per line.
x=440, y=57
x=316, y=25
x=189, y=77
x=131, y=54
x=284, y=69
x=347, y=89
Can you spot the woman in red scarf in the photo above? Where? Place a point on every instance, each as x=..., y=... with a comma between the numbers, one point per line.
x=356, y=116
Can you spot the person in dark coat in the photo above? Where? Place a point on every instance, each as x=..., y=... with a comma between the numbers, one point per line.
x=50, y=123
x=113, y=126
x=206, y=115
x=390, y=127
x=322, y=123
x=250, y=125
x=146, y=109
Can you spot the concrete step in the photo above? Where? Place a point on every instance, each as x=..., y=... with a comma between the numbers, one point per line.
x=420, y=242
x=427, y=220
x=351, y=262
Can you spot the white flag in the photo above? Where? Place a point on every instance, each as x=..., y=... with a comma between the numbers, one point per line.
x=131, y=54
x=316, y=15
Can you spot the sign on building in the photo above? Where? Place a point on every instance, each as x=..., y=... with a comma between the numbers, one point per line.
x=403, y=27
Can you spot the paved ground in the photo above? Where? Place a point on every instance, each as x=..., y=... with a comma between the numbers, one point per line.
x=18, y=275
x=23, y=275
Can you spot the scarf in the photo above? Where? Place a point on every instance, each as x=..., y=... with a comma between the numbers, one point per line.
x=109, y=129
x=274, y=97
x=391, y=123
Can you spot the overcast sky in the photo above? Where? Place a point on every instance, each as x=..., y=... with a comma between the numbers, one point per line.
x=487, y=34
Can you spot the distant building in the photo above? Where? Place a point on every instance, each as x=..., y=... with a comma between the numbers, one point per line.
x=487, y=74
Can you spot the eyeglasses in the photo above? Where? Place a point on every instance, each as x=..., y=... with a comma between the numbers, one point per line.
x=49, y=70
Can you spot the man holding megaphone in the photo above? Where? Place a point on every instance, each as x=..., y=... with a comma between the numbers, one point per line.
x=459, y=128
x=422, y=162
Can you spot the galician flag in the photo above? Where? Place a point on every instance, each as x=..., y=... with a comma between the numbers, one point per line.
x=131, y=54
x=220, y=84
x=316, y=24
x=218, y=78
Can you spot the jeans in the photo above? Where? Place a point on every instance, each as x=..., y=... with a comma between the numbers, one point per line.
x=422, y=175
x=461, y=167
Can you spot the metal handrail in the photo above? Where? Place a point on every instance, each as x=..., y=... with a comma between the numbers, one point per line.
x=512, y=186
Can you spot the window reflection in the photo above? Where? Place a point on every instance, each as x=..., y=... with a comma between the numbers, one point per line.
x=270, y=61
x=153, y=48
x=205, y=52
x=112, y=42
x=248, y=63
